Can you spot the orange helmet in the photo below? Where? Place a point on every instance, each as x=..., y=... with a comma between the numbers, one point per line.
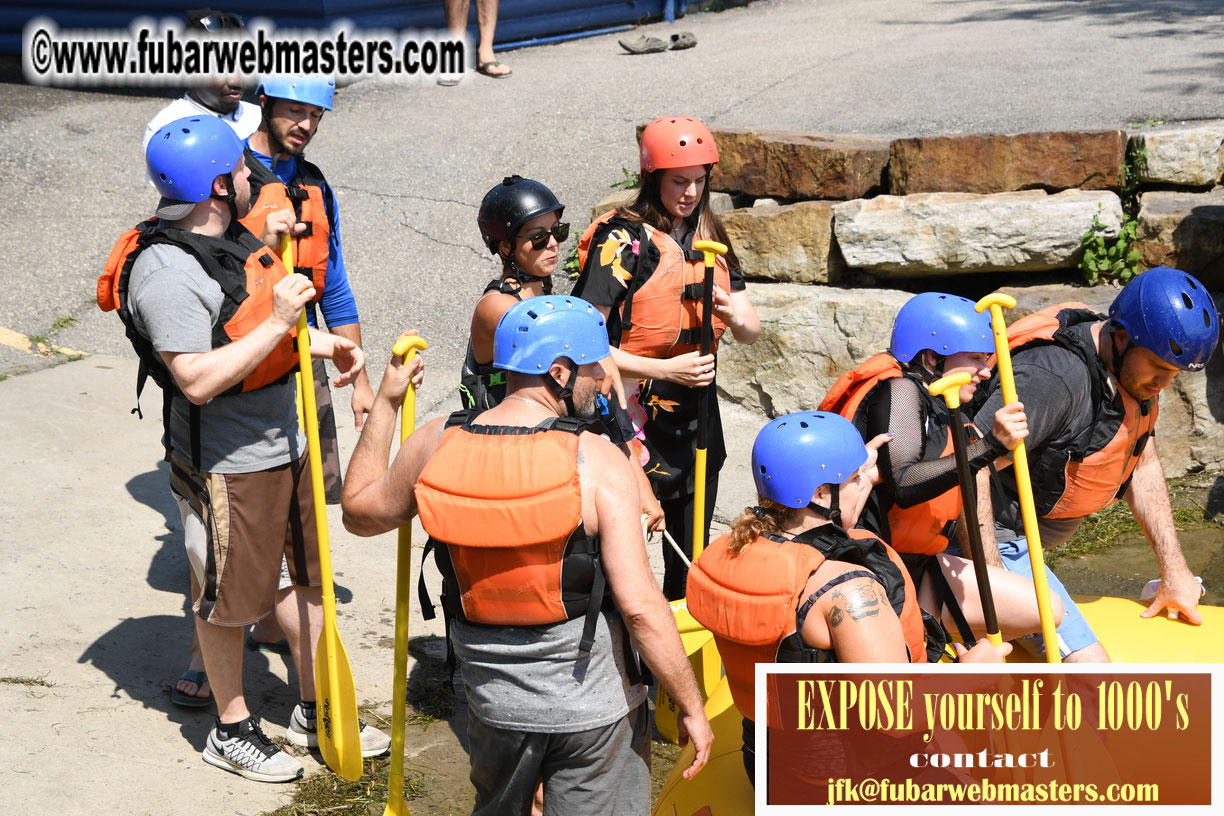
x=677, y=141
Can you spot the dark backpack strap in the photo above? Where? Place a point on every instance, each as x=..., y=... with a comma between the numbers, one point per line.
x=463, y=417
x=428, y=610
x=568, y=424
x=505, y=287
x=598, y=584
x=806, y=607
x=947, y=600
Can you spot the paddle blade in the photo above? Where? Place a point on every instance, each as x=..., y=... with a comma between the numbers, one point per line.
x=339, y=737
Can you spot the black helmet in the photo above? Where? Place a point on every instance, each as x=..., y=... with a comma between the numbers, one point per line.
x=511, y=204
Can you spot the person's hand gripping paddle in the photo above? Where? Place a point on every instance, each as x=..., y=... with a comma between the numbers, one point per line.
x=339, y=737
x=949, y=389
x=711, y=250
x=405, y=347
x=996, y=303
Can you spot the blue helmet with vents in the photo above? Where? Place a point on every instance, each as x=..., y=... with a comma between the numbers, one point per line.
x=1169, y=313
x=797, y=453
x=536, y=331
x=945, y=324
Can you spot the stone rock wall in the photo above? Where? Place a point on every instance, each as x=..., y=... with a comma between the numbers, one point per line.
x=1187, y=157
x=792, y=243
x=996, y=163
x=810, y=335
x=942, y=233
x=1183, y=230
x=787, y=165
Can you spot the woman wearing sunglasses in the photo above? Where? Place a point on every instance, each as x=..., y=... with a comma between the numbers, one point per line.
x=640, y=270
x=520, y=222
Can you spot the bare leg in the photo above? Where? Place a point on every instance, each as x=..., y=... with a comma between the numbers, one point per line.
x=486, y=22
x=196, y=659
x=222, y=648
x=1014, y=597
x=1089, y=654
x=456, y=16
x=267, y=630
x=299, y=610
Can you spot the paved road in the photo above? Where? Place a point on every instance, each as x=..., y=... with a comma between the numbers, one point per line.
x=87, y=572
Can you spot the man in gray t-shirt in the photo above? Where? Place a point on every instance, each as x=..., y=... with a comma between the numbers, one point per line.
x=214, y=312
x=530, y=513
x=1091, y=392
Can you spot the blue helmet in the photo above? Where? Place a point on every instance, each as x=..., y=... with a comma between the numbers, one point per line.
x=945, y=324
x=1170, y=314
x=797, y=453
x=535, y=332
x=185, y=156
x=313, y=90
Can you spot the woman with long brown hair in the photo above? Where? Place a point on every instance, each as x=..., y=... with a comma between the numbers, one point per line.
x=640, y=270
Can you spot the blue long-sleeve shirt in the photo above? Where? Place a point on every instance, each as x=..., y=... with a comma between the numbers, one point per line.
x=337, y=304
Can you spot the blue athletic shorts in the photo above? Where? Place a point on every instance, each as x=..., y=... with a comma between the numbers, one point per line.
x=1074, y=633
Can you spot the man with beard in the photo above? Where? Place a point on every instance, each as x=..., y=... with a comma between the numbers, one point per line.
x=282, y=180
x=212, y=313
x=221, y=97
x=532, y=517
x=1091, y=384
x=285, y=184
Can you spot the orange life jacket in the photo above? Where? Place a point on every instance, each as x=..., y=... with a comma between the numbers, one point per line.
x=661, y=313
x=305, y=195
x=1095, y=469
x=247, y=302
x=503, y=510
x=749, y=601
x=925, y=528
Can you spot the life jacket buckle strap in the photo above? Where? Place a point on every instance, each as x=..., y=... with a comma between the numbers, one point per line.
x=694, y=291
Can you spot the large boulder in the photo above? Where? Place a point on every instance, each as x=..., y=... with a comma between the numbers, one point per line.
x=1186, y=156
x=1190, y=430
x=1185, y=231
x=942, y=233
x=792, y=243
x=810, y=335
x=788, y=165
x=996, y=163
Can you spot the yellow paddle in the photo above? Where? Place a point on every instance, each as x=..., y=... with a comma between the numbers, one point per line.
x=996, y=303
x=339, y=739
x=711, y=249
x=405, y=347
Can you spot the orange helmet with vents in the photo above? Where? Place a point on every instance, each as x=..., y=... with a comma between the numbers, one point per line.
x=677, y=141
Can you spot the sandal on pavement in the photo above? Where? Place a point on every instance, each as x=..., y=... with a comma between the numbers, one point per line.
x=644, y=45
x=488, y=69
x=182, y=698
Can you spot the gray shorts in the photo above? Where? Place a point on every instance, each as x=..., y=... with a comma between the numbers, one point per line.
x=603, y=771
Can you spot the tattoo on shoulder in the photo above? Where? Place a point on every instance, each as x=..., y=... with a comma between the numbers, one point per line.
x=856, y=601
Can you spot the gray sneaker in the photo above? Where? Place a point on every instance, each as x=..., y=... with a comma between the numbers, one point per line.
x=303, y=731
x=251, y=754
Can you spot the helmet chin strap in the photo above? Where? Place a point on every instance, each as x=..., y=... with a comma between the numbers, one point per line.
x=514, y=273
x=230, y=198
x=833, y=511
x=1115, y=362
x=564, y=393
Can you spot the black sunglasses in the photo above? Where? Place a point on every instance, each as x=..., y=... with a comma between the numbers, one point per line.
x=560, y=231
